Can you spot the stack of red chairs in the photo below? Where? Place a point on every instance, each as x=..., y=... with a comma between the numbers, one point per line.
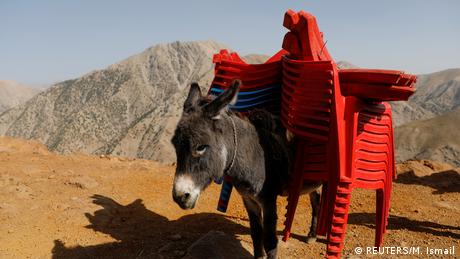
x=343, y=125
x=261, y=88
x=377, y=84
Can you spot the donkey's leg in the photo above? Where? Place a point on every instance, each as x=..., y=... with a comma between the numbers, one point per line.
x=255, y=221
x=270, y=238
x=315, y=200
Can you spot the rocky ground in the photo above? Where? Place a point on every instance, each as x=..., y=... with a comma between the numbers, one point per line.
x=80, y=206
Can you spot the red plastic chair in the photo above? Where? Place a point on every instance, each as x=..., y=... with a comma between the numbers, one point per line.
x=345, y=130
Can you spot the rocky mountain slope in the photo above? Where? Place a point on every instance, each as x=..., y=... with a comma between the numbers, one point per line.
x=436, y=94
x=437, y=138
x=13, y=93
x=128, y=109
x=255, y=58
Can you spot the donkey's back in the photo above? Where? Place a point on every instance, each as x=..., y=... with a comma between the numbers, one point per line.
x=277, y=150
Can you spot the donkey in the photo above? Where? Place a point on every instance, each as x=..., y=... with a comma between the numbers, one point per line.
x=211, y=141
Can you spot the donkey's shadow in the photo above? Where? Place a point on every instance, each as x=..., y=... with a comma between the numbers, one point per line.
x=142, y=233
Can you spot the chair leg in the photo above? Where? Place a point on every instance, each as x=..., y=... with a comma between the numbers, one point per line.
x=323, y=216
x=387, y=196
x=293, y=199
x=338, y=228
x=295, y=186
x=380, y=216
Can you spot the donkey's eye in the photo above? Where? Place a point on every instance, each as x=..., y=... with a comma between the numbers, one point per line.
x=199, y=151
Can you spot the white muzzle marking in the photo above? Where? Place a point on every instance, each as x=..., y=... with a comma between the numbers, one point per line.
x=184, y=184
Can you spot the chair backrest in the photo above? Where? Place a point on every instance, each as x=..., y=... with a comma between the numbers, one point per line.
x=261, y=86
x=312, y=103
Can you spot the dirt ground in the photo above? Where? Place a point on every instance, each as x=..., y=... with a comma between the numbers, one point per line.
x=81, y=206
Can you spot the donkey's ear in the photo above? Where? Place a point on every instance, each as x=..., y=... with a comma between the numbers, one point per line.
x=193, y=97
x=214, y=108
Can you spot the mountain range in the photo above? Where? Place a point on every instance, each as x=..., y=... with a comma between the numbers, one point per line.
x=13, y=93
x=437, y=138
x=131, y=107
x=127, y=109
x=437, y=93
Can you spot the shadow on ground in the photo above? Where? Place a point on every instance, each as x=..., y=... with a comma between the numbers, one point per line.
x=403, y=223
x=141, y=233
x=442, y=182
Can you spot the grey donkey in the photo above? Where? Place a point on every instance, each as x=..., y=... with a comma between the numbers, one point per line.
x=211, y=141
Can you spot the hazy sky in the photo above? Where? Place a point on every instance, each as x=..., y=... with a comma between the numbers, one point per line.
x=42, y=42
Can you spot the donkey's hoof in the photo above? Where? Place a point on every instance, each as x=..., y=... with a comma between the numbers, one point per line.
x=310, y=240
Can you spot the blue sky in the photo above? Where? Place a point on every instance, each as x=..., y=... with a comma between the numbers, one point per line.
x=42, y=42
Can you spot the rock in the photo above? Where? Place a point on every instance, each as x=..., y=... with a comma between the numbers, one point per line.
x=179, y=253
x=422, y=168
x=175, y=237
x=23, y=191
x=216, y=245
x=82, y=182
x=166, y=248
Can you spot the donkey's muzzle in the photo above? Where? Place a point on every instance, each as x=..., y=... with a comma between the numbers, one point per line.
x=185, y=192
x=184, y=200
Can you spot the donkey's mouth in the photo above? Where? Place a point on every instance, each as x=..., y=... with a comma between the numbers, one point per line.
x=186, y=202
x=188, y=205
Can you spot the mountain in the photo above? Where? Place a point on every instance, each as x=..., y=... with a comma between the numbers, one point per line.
x=436, y=94
x=13, y=93
x=345, y=65
x=129, y=109
x=437, y=139
x=255, y=58
x=427, y=124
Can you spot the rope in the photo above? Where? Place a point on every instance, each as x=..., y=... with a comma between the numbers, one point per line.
x=235, y=141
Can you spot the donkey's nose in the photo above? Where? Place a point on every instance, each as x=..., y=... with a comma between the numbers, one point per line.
x=182, y=199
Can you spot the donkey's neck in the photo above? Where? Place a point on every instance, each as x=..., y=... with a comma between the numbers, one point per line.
x=248, y=169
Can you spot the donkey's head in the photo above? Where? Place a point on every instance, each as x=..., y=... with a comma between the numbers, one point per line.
x=199, y=141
